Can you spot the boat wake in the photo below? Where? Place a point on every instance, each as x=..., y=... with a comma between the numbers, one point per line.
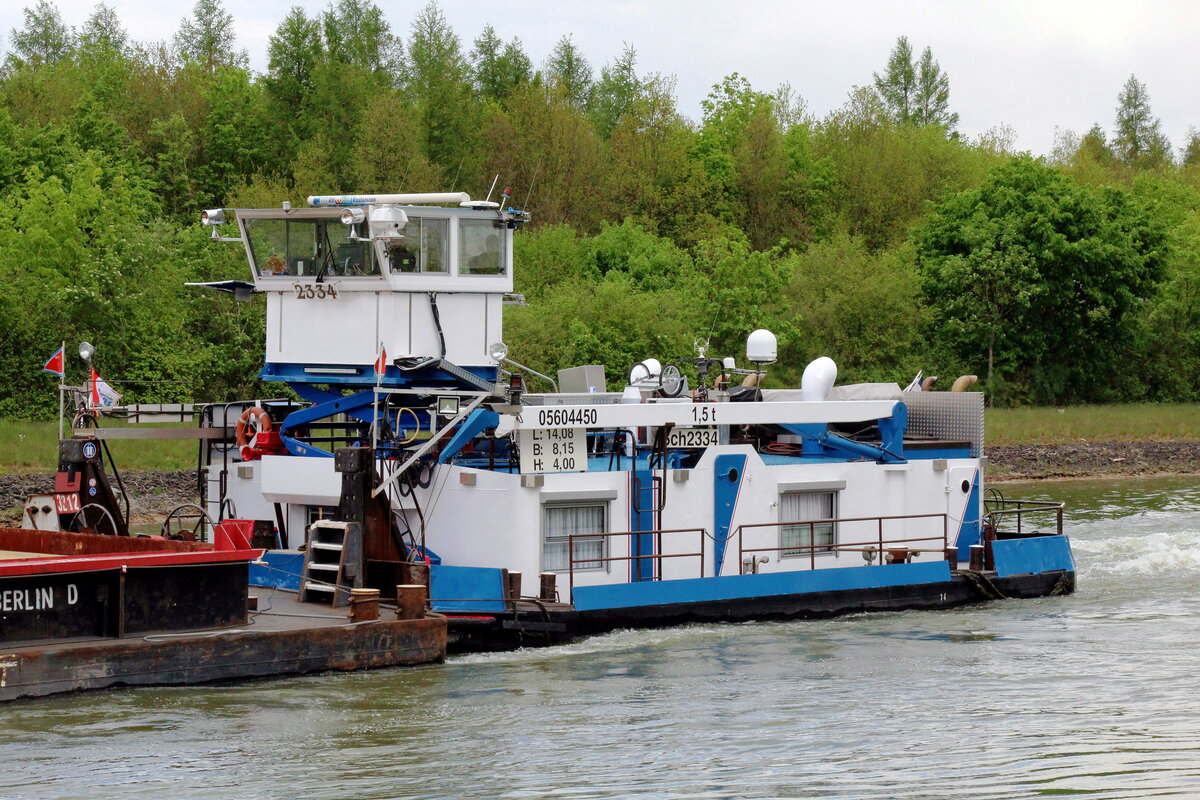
x=1143, y=548
x=609, y=643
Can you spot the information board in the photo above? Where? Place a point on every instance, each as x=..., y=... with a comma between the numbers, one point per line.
x=553, y=450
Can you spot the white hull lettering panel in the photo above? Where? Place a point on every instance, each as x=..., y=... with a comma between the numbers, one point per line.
x=704, y=414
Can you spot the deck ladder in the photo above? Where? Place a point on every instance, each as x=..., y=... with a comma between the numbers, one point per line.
x=332, y=562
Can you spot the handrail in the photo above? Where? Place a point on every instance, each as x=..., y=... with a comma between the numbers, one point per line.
x=1022, y=508
x=813, y=548
x=658, y=554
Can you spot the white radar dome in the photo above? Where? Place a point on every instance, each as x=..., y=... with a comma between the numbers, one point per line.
x=761, y=347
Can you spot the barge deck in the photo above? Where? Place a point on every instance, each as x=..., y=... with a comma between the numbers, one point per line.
x=80, y=611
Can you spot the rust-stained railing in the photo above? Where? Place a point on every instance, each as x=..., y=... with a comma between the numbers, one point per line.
x=879, y=543
x=657, y=556
x=1021, y=511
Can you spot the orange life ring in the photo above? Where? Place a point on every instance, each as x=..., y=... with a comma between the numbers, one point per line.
x=264, y=424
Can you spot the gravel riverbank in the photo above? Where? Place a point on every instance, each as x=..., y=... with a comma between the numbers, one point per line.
x=154, y=494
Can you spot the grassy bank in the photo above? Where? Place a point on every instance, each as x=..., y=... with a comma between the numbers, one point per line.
x=31, y=446
x=1128, y=422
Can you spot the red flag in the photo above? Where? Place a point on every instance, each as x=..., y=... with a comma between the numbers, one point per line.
x=55, y=364
x=381, y=362
x=95, y=387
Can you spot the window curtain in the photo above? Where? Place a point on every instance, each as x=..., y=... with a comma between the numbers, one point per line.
x=563, y=521
x=801, y=506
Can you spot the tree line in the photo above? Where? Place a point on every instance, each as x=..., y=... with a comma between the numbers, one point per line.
x=877, y=234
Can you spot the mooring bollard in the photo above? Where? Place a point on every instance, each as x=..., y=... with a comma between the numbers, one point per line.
x=514, y=586
x=411, y=600
x=977, y=557
x=952, y=557
x=549, y=587
x=364, y=605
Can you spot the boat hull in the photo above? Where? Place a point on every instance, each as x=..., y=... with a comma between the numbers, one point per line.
x=958, y=591
x=544, y=624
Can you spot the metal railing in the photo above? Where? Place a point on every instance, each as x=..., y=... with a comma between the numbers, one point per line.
x=1023, y=511
x=878, y=544
x=656, y=557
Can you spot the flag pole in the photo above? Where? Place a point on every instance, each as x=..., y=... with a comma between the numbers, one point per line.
x=61, y=380
x=375, y=405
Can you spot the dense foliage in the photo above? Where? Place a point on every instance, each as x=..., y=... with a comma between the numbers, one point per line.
x=876, y=235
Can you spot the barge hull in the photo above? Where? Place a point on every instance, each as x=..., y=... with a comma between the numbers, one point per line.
x=165, y=660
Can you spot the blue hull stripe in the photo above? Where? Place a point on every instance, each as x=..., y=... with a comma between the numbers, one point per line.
x=733, y=587
x=1038, y=554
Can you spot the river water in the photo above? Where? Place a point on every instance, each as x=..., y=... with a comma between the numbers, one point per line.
x=1093, y=694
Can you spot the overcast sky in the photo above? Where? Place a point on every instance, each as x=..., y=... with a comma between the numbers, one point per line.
x=1037, y=66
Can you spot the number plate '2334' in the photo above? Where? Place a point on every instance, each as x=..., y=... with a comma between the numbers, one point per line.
x=315, y=291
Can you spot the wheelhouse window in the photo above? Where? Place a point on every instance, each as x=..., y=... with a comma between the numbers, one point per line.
x=561, y=521
x=425, y=248
x=308, y=247
x=805, y=509
x=480, y=247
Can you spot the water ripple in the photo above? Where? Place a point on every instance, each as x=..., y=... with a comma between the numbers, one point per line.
x=1090, y=695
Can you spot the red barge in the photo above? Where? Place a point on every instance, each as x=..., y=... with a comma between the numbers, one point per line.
x=91, y=611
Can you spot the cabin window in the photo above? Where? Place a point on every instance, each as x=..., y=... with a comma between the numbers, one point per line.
x=560, y=521
x=805, y=507
x=308, y=248
x=426, y=247
x=480, y=247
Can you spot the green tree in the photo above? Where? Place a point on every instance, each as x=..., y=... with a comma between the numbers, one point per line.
x=654, y=177
x=293, y=53
x=44, y=41
x=499, y=68
x=1038, y=279
x=207, y=38
x=727, y=112
x=357, y=34
x=439, y=87
x=233, y=137
x=932, y=105
x=897, y=87
x=567, y=69
x=880, y=175
x=617, y=89
x=915, y=93
x=1189, y=154
x=102, y=37
x=832, y=283
x=388, y=154
x=1139, y=141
